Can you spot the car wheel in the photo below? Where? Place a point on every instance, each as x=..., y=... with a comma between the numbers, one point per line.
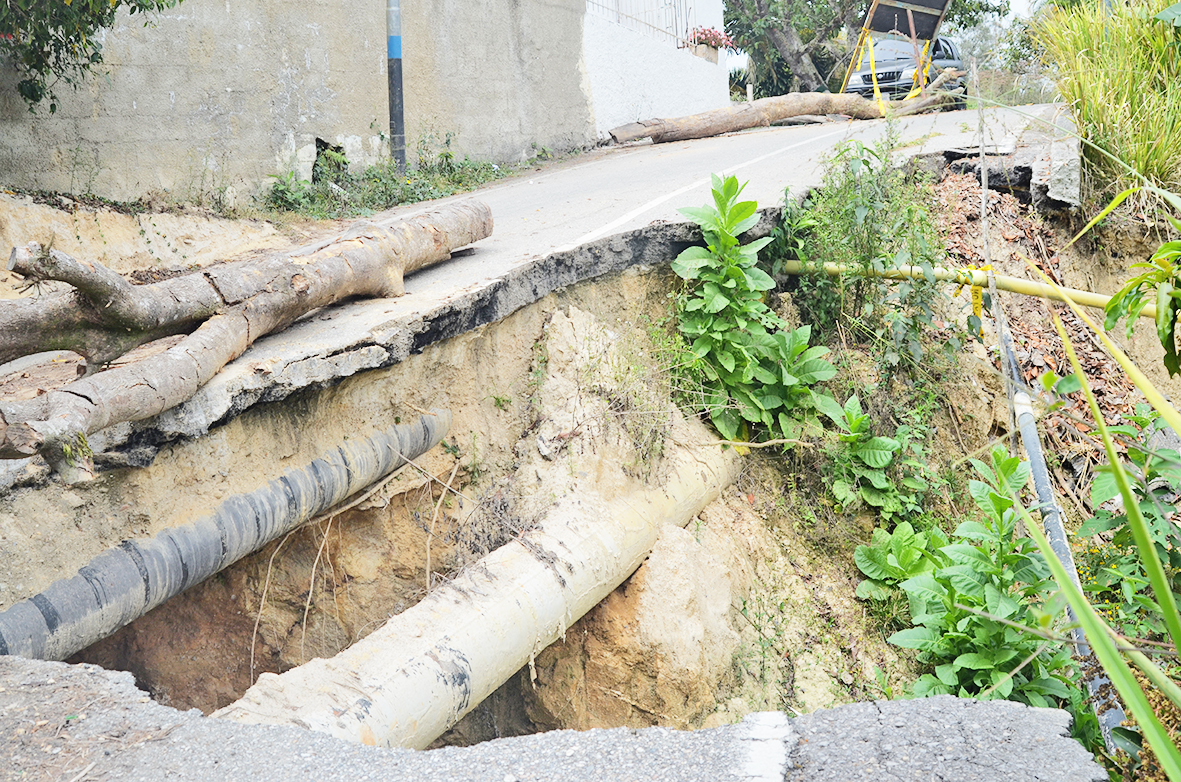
x=960, y=102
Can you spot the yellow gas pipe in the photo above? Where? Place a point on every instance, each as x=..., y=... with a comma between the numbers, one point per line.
x=974, y=277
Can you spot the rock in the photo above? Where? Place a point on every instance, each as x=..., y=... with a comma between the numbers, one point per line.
x=72, y=500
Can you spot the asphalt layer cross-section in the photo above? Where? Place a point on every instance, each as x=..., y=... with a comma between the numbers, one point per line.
x=593, y=215
x=80, y=723
x=619, y=189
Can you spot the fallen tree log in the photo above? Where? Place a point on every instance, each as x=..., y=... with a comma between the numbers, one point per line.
x=225, y=308
x=763, y=112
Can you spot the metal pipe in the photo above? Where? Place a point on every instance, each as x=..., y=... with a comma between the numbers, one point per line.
x=427, y=667
x=973, y=277
x=1107, y=709
x=394, y=76
x=125, y=582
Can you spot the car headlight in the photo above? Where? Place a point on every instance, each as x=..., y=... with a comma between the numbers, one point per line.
x=908, y=74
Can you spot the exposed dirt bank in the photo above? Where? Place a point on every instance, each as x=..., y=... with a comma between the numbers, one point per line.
x=751, y=607
x=150, y=243
x=371, y=561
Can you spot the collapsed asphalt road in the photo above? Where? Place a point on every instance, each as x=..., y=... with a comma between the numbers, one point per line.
x=77, y=723
x=81, y=723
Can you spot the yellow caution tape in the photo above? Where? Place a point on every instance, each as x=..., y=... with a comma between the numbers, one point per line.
x=977, y=290
x=873, y=72
x=920, y=74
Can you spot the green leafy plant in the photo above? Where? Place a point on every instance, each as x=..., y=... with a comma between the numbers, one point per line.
x=868, y=217
x=863, y=462
x=1110, y=566
x=289, y=193
x=790, y=237
x=1159, y=284
x=335, y=192
x=891, y=558
x=1171, y=15
x=331, y=166
x=757, y=374
x=969, y=600
x=59, y=41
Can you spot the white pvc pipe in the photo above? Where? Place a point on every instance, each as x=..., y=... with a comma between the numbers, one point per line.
x=407, y=683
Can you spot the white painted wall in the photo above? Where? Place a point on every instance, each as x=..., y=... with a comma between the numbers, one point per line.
x=632, y=76
x=709, y=14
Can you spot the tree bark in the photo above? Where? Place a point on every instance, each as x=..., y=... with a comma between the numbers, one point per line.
x=791, y=48
x=853, y=17
x=230, y=306
x=764, y=111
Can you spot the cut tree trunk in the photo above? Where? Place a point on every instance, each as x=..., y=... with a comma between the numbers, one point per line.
x=764, y=111
x=225, y=308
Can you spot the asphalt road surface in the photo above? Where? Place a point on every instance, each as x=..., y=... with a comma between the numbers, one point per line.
x=76, y=723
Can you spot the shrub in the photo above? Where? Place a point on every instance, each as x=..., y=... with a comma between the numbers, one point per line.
x=868, y=217
x=757, y=374
x=969, y=599
x=334, y=192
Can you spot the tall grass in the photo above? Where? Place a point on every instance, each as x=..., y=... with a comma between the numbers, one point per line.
x=336, y=192
x=1148, y=697
x=1120, y=71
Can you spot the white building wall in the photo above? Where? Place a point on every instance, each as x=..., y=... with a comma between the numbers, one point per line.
x=634, y=76
x=709, y=14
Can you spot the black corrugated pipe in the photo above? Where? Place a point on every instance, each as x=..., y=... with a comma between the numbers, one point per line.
x=125, y=582
x=1107, y=708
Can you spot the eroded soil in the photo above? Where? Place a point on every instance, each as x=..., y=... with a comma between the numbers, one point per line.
x=750, y=607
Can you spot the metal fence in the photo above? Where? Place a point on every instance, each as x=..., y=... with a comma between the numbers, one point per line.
x=667, y=20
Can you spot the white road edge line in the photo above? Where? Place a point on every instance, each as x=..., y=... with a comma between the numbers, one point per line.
x=633, y=214
x=767, y=735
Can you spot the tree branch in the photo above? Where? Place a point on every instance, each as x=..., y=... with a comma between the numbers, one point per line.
x=253, y=298
x=822, y=35
x=767, y=110
x=791, y=48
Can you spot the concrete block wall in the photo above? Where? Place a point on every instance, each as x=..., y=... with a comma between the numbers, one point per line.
x=502, y=77
x=213, y=98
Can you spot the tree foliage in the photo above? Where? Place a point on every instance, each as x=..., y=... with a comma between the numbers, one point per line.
x=52, y=41
x=798, y=44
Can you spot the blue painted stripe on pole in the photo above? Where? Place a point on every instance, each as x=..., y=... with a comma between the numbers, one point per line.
x=393, y=46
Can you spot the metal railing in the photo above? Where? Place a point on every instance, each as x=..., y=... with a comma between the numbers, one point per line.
x=666, y=20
